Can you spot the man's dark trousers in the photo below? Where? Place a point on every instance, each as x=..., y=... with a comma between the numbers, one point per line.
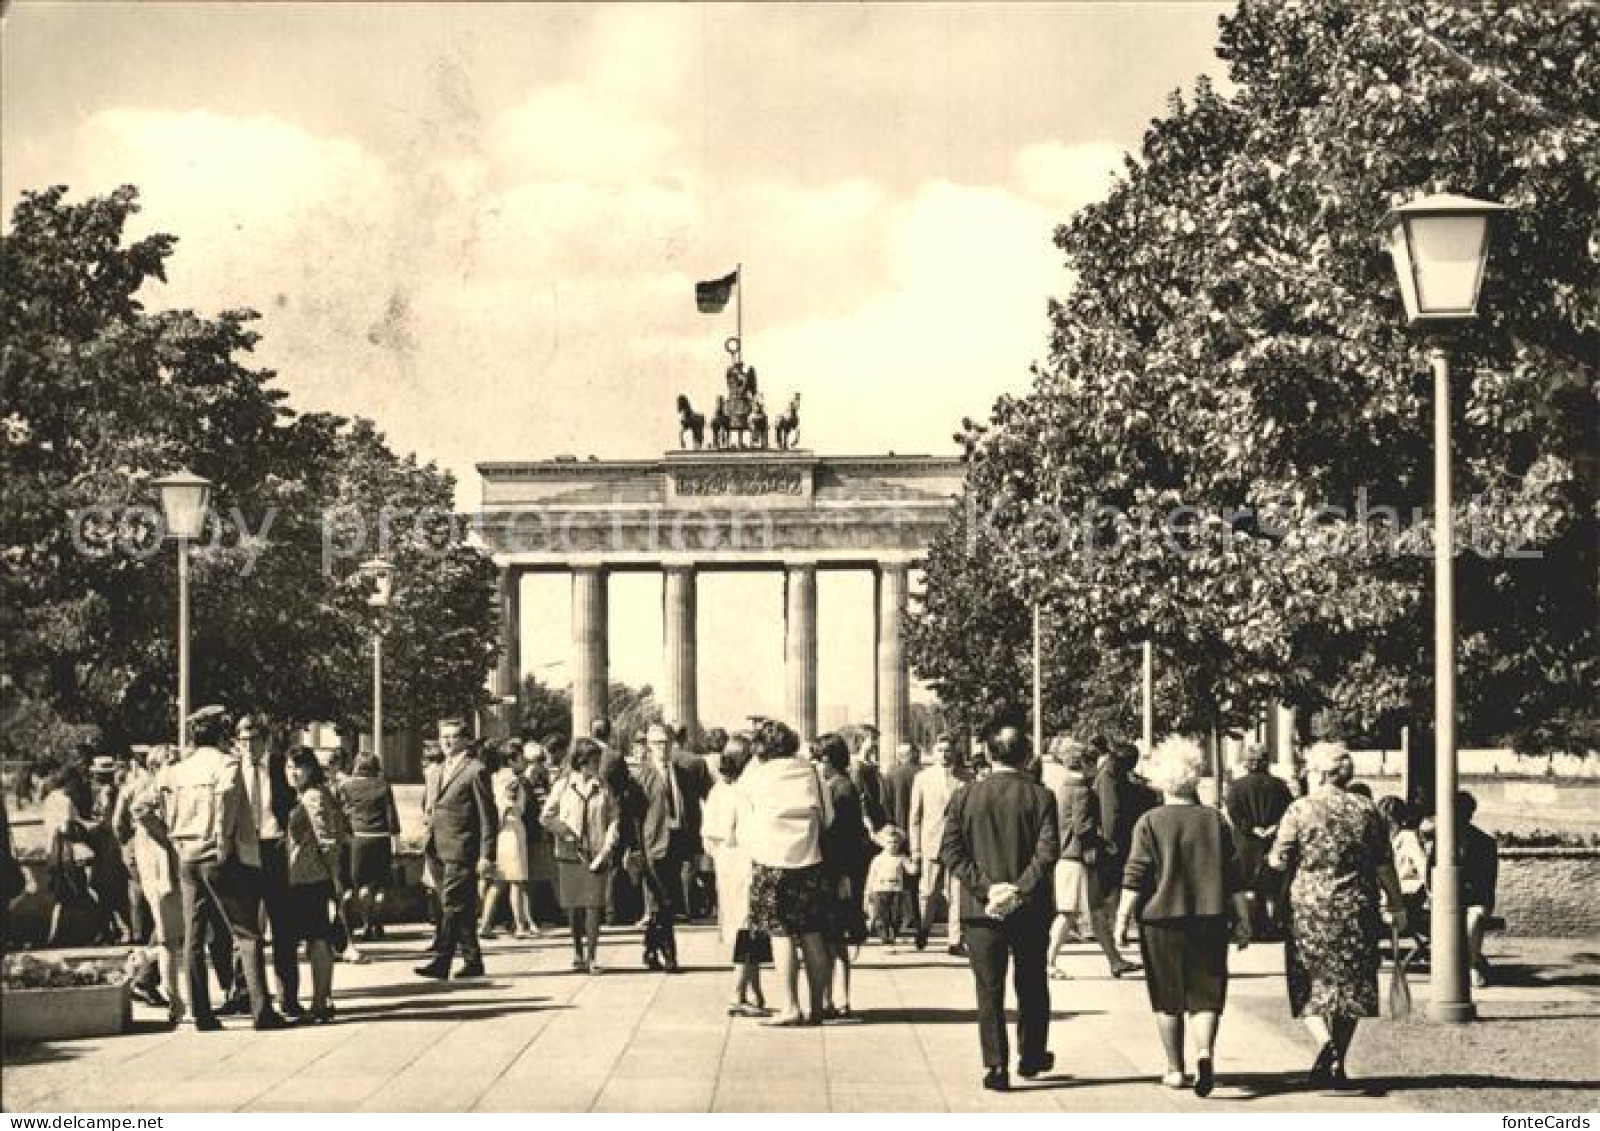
x=1021, y=941
x=458, y=912
x=226, y=899
x=275, y=897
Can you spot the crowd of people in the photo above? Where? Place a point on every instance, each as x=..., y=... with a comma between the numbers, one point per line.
x=803, y=852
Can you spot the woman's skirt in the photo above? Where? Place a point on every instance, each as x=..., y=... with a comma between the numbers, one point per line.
x=1185, y=964
x=511, y=852
x=791, y=901
x=372, y=862
x=1072, y=888
x=311, y=911
x=577, y=887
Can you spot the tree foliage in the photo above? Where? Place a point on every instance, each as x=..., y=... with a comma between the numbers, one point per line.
x=1232, y=361
x=101, y=396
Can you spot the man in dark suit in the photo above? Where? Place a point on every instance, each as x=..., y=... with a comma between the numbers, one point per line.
x=1001, y=844
x=869, y=779
x=671, y=838
x=1256, y=801
x=461, y=836
x=897, y=789
x=264, y=772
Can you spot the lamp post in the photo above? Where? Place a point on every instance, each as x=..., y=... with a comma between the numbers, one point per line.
x=1440, y=245
x=381, y=574
x=183, y=507
x=1147, y=698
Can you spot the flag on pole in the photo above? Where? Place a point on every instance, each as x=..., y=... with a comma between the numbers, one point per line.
x=712, y=295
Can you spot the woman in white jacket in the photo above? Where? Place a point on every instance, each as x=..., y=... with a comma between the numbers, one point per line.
x=719, y=830
x=791, y=897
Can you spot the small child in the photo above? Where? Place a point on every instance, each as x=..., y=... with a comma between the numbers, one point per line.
x=886, y=882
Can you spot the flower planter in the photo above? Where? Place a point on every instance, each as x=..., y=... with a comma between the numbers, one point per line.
x=64, y=1012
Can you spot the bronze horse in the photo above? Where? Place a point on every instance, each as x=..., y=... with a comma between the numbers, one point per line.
x=691, y=424
x=788, y=425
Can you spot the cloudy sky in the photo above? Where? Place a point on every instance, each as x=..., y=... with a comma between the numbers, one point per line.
x=481, y=224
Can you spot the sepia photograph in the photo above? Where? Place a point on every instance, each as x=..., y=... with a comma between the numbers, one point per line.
x=846, y=558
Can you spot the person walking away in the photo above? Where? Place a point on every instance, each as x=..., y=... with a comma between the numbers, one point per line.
x=211, y=825
x=580, y=814
x=461, y=834
x=1480, y=875
x=1119, y=802
x=367, y=799
x=1001, y=843
x=847, y=852
x=930, y=800
x=719, y=829
x=898, y=784
x=1336, y=849
x=432, y=768
x=1182, y=879
x=1256, y=802
x=317, y=826
x=62, y=810
x=790, y=896
x=133, y=778
x=887, y=881
x=1066, y=776
x=868, y=779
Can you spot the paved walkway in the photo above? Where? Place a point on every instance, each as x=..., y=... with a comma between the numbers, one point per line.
x=536, y=1037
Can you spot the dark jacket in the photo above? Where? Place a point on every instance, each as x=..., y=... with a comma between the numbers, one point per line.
x=869, y=782
x=369, y=804
x=1257, y=800
x=897, y=785
x=1122, y=802
x=1002, y=829
x=655, y=833
x=1182, y=864
x=846, y=847
x=464, y=820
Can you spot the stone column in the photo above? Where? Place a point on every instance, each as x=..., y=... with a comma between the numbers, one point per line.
x=678, y=628
x=508, y=674
x=590, y=678
x=894, y=680
x=800, y=646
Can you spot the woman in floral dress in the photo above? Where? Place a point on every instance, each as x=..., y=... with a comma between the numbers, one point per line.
x=1335, y=846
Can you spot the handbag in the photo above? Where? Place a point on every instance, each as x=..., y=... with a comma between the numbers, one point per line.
x=1399, y=988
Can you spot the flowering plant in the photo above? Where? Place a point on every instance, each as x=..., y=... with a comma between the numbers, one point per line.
x=30, y=972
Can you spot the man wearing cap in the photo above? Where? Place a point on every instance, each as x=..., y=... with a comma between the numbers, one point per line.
x=210, y=825
x=462, y=827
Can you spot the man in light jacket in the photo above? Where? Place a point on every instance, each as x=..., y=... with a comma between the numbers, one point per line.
x=211, y=826
x=931, y=792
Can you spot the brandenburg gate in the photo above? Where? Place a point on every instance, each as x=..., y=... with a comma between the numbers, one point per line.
x=693, y=511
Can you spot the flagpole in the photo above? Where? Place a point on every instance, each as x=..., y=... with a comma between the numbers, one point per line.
x=738, y=308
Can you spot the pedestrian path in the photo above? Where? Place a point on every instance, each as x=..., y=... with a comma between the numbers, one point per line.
x=535, y=1036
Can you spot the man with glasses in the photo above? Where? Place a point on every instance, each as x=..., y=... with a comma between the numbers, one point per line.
x=671, y=838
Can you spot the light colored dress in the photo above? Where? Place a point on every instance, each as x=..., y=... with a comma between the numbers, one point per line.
x=719, y=830
x=157, y=862
x=511, y=846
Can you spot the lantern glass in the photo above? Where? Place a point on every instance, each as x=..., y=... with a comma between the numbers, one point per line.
x=1440, y=245
x=381, y=574
x=183, y=504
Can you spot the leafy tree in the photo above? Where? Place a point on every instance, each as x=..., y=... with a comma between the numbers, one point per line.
x=1233, y=344
x=98, y=396
x=542, y=710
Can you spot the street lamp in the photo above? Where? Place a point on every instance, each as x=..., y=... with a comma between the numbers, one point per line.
x=381, y=573
x=183, y=507
x=1440, y=245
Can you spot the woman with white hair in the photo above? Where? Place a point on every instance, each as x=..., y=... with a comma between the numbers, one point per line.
x=1335, y=845
x=1182, y=879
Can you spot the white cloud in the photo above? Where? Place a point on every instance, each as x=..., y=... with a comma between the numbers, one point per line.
x=1066, y=177
x=571, y=133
